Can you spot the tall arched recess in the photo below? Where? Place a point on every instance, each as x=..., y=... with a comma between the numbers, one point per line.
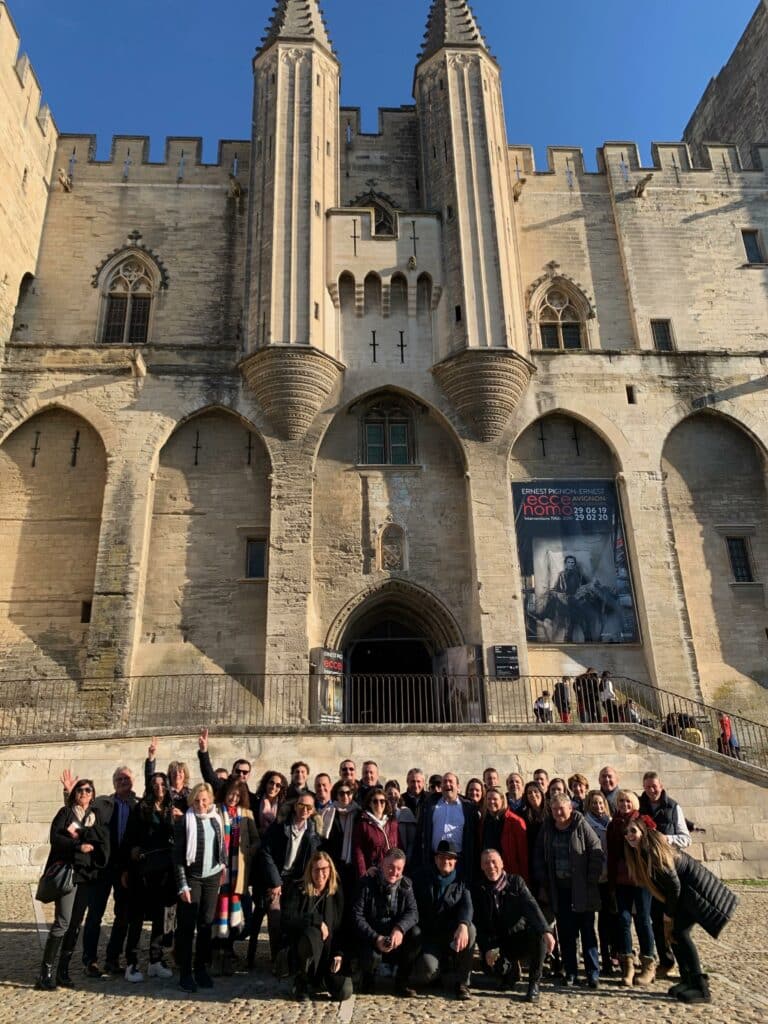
x=52, y=475
x=715, y=485
x=390, y=506
x=206, y=588
x=574, y=561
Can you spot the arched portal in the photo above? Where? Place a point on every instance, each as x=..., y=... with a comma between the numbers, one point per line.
x=395, y=640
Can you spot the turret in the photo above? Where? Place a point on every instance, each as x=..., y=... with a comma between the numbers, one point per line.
x=294, y=181
x=465, y=175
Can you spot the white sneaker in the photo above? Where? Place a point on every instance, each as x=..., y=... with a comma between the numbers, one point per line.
x=133, y=973
x=159, y=970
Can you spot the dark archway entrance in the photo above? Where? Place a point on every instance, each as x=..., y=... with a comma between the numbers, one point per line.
x=394, y=639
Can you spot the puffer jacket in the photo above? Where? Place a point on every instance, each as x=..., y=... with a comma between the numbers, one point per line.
x=693, y=891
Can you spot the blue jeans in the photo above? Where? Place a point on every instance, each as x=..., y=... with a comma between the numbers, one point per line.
x=570, y=925
x=627, y=897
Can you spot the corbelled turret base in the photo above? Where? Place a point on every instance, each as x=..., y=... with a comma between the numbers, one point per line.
x=291, y=383
x=485, y=386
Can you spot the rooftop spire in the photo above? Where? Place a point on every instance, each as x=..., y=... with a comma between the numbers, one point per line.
x=450, y=23
x=299, y=20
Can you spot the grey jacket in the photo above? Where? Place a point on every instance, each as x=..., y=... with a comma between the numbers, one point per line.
x=587, y=861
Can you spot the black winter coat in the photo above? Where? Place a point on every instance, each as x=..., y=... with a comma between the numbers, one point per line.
x=300, y=912
x=66, y=848
x=377, y=912
x=274, y=850
x=517, y=911
x=694, y=892
x=440, y=916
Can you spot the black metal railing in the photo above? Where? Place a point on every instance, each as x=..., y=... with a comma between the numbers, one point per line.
x=34, y=709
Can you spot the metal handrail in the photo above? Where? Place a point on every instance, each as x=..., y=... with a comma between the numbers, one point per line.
x=36, y=709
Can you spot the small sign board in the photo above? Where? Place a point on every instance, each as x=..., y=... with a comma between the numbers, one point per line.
x=506, y=661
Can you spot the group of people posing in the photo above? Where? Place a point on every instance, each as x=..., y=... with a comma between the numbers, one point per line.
x=354, y=872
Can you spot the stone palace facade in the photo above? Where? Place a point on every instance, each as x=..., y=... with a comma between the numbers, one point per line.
x=399, y=397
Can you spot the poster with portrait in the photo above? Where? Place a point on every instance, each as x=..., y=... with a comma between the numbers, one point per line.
x=576, y=580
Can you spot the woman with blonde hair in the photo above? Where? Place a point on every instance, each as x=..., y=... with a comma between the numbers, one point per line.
x=199, y=860
x=311, y=917
x=690, y=894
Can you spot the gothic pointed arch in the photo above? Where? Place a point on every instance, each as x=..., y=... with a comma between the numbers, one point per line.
x=129, y=281
x=429, y=615
x=559, y=311
x=384, y=212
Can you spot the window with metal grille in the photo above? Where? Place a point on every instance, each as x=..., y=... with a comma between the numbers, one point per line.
x=752, y=246
x=255, y=558
x=387, y=436
x=128, y=304
x=741, y=564
x=662, y=335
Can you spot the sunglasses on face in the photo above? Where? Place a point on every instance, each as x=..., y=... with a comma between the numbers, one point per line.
x=306, y=807
x=274, y=783
x=348, y=771
x=84, y=789
x=242, y=771
x=344, y=792
x=378, y=802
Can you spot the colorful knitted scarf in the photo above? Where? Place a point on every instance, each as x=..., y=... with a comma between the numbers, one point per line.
x=229, y=910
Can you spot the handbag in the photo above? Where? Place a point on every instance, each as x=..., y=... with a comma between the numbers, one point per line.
x=57, y=880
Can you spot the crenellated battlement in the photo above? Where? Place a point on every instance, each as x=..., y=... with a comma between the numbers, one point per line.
x=672, y=163
x=129, y=161
x=31, y=92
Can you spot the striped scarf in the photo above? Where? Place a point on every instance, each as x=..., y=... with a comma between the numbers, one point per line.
x=229, y=910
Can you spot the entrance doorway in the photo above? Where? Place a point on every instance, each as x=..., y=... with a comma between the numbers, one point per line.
x=389, y=648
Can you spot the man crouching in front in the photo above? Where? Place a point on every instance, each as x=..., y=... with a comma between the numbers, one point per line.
x=510, y=925
x=385, y=920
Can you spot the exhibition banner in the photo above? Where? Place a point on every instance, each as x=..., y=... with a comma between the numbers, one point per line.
x=576, y=580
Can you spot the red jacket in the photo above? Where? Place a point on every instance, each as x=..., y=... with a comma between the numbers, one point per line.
x=514, y=844
x=370, y=843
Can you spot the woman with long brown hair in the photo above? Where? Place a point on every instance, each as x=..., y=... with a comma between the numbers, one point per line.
x=690, y=893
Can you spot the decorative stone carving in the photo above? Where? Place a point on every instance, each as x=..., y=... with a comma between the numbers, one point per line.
x=485, y=386
x=392, y=557
x=291, y=383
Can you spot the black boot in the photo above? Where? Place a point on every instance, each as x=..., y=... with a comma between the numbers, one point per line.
x=697, y=991
x=45, y=980
x=684, y=983
x=62, y=971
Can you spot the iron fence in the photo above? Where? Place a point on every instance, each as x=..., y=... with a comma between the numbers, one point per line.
x=35, y=709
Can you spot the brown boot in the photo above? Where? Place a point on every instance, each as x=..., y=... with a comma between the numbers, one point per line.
x=647, y=974
x=627, y=970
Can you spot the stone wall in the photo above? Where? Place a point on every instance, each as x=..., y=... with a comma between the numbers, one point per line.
x=27, y=147
x=728, y=801
x=734, y=106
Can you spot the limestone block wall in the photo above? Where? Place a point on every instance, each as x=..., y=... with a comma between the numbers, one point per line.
x=734, y=106
x=27, y=147
x=192, y=226
x=52, y=479
x=731, y=804
x=351, y=508
x=211, y=496
x=390, y=156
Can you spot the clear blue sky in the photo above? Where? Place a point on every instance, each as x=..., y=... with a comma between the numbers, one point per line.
x=576, y=72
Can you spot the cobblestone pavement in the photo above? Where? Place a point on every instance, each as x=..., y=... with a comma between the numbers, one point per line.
x=737, y=965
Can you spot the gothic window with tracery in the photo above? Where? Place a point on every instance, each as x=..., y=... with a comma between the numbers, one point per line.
x=128, y=303
x=388, y=435
x=560, y=324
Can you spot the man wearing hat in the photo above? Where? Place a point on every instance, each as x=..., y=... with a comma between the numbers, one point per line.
x=445, y=913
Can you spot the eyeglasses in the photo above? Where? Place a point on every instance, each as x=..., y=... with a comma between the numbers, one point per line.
x=378, y=801
x=275, y=783
x=84, y=789
x=242, y=771
x=344, y=792
x=306, y=807
x=348, y=771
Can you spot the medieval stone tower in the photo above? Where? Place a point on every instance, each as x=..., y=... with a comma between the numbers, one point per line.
x=398, y=402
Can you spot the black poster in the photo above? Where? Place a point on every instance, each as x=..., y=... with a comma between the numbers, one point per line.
x=577, y=587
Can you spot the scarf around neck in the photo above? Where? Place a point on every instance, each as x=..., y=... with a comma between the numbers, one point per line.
x=191, y=818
